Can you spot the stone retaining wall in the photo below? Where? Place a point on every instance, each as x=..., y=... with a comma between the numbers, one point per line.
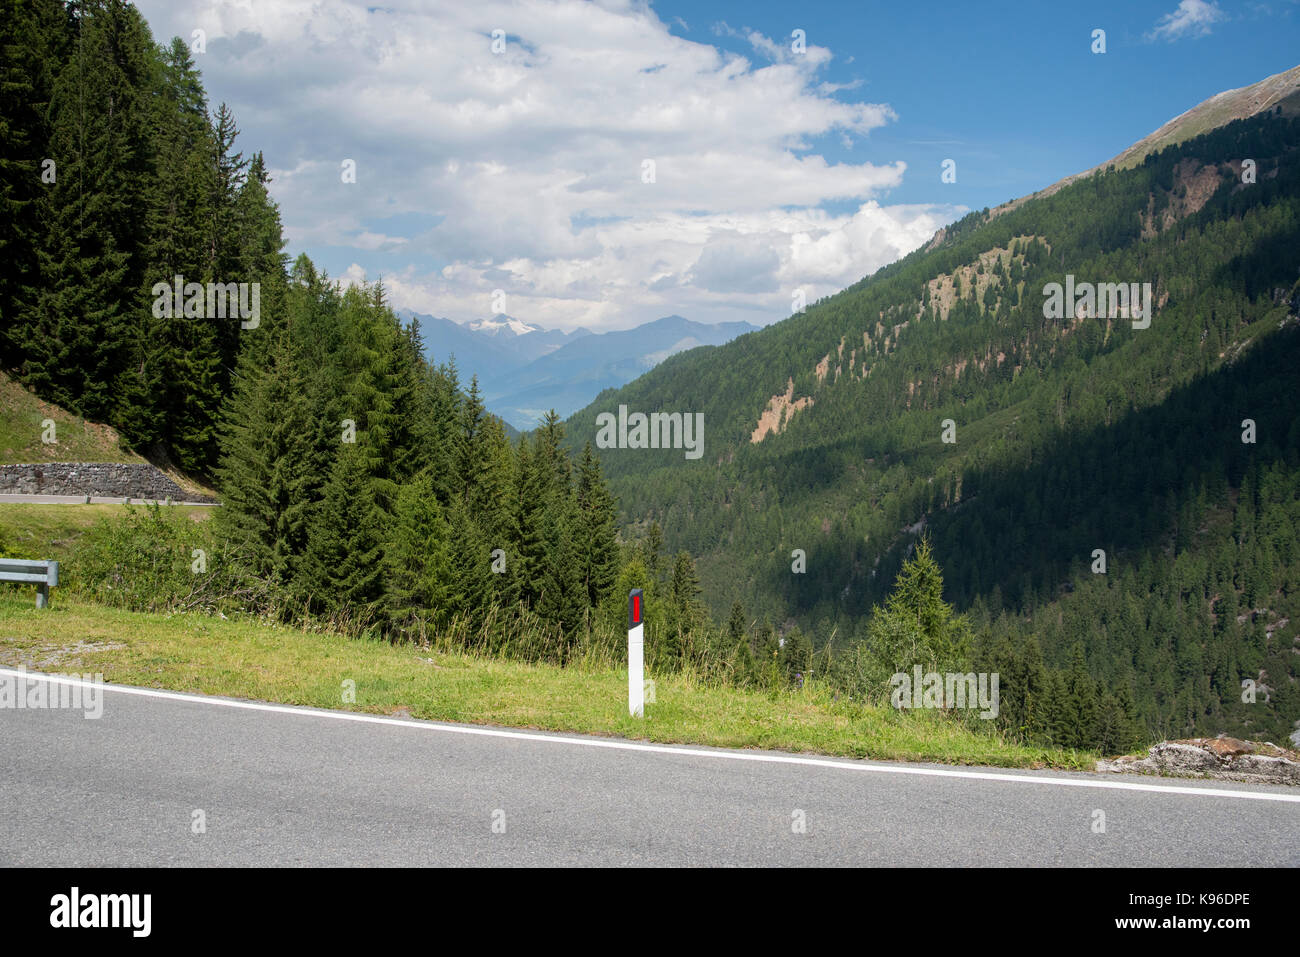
x=98, y=479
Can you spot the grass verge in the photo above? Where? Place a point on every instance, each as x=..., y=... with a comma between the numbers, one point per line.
x=54, y=531
x=243, y=658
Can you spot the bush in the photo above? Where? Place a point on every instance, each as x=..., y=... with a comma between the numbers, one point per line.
x=149, y=560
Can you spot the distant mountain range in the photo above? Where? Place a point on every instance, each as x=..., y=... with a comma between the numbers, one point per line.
x=524, y=370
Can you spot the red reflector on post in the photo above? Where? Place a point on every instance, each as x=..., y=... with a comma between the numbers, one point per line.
x=634, y=608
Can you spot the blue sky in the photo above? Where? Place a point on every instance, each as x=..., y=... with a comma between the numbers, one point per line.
x=605, y=164
x=1012, y=91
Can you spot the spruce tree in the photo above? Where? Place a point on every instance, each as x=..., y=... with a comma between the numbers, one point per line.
x=265, y=469
x=228, y=169
x=34, y=35
x=533, y=499
x=173, y=390
x=493, y=502
x=1081, y=703
x=563, y=597
x=77, y=347
x=916, y=626
x=471, y=560
x=443, y=395
x=343, y=565
x=418, y=574
x=261, y=257
x=736, y=624
x=470, y=453
x=685, y=588
x=598, y=544
x=652, y=548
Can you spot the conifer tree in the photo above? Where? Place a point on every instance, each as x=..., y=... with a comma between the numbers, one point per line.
x=551, y=456
x=652, y=547
x=916, y=626
x=1080, y=711
x=441, y=393
x=78, y=344
x=736, y=624
x=493, y=502
x=265, y=468
x=228, y=171
x=598, y=545
x=471, y=456
x=418, y=576
x=685, y=588
x=33, y=40
x=343, y=565
x=533, y=511
x=173, y=390
x=261, y=257
x=563, y=598
x=471, y=561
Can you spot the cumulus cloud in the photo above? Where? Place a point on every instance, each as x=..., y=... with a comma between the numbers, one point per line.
x=1192, y=18
x=527, y=170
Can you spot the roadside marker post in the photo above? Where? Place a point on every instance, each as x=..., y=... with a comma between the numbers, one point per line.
x=635, y=654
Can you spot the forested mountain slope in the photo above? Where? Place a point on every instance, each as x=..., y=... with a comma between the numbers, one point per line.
x=825, y=432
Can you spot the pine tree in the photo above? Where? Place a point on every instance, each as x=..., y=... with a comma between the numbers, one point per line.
x=343, y=565
x=651, y=549
x=228, y=170
x=173, y=390
x=563, y=598
x=1080, y=729
x=471, y=456
x=916, y=626
x=34, y=36
x=532, y=508
x=736, y=624
x=598, y=545
x=261, y=257
x=265, y=468
x=418, y=574
x=78, y=344
x=471, y=560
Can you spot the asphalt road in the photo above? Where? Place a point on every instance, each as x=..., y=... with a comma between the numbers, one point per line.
x=296, y=786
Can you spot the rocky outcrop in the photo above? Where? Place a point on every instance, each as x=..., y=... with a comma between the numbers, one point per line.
x=1224, y=758
x=96, y=479
x=778, y=412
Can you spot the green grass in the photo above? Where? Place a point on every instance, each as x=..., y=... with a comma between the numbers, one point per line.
x=22, y=431
x=54, y=531
x=243, y=658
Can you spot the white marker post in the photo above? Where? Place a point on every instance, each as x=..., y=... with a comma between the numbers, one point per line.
x=635, y=655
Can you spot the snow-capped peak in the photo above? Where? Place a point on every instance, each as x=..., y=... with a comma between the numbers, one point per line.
x=501, y=324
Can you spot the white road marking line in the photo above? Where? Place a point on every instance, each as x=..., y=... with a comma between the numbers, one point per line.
x=621, y=745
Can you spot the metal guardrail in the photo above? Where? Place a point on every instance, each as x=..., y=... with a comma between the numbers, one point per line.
x=43, y=574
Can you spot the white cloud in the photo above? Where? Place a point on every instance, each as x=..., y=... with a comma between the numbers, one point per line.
x=523, y=170
x=1192, y=18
